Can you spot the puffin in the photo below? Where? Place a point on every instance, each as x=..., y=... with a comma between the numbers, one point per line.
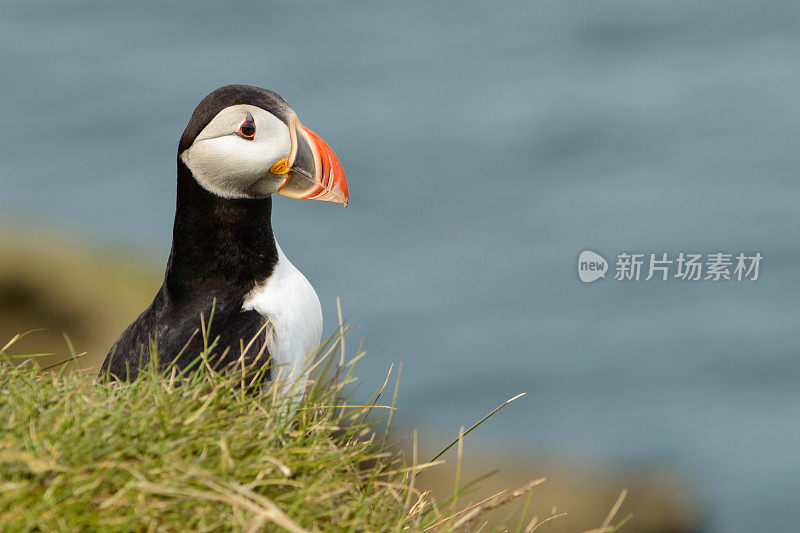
x=242, y=145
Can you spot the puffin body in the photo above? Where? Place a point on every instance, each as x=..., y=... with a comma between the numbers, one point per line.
x=241, y=145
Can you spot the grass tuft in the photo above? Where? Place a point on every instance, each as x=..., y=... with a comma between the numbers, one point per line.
x=209, y=450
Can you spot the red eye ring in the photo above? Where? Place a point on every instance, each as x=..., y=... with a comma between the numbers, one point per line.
x=248, y=128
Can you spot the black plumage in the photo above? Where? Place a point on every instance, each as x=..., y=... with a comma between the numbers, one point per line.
x=221, y=249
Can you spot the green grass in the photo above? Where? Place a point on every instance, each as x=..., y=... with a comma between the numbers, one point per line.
x=208, y=451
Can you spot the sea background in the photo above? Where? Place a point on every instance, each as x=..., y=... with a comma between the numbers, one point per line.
x=486, y=145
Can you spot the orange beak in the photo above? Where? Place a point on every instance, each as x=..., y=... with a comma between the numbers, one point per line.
x=313, y=171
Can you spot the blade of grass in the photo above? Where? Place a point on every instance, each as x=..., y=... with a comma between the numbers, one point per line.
x=16, y=338
x=341, y=329
x=481, y=421
x=497, y=501
x=383, y=387
x=394, y=398
x=536, y=525
x=615, y=508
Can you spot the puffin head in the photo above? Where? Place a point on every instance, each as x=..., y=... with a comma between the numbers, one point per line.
x=246, y=142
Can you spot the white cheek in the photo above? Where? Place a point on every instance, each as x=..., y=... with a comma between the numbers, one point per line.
x=228, y=165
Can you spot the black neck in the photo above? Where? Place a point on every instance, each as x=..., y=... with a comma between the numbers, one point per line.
x=220, y=246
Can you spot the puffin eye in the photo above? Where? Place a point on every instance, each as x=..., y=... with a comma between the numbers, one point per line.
x=248, y=128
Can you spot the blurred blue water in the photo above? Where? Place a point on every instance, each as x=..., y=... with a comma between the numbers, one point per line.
x=485, y=147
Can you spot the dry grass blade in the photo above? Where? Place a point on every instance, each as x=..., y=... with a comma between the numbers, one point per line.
x=615, y=508
x=410, y=469
x=462, y=511
x=378, y=397
x=16, y=338
x=459, y=464
x=535, y=524
x=270, y=512
x=607, y=527
x=498, y=500
x=273, y=512
x=11, y=343
x=418, y=507
x=73, y=354
x=341, y=330
x=65, y=361
x=414, y=459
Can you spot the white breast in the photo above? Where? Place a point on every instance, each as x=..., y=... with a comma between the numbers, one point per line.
x=290, y=303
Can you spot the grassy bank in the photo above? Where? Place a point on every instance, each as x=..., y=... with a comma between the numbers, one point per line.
x=208, y=451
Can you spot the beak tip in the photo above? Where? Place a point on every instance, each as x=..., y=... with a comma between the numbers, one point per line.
x=315, y=172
